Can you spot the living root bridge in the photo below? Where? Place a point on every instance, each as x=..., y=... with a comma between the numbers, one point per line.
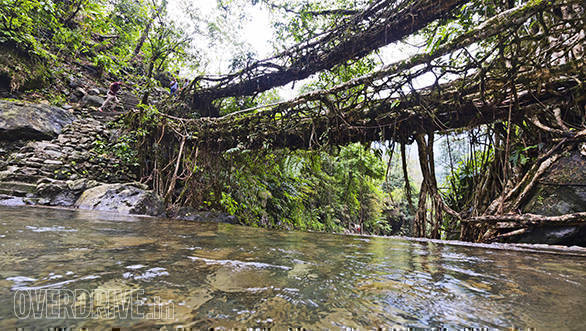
x=382, y=23
x=286, y=126
x=521, y=70
x=490, y=89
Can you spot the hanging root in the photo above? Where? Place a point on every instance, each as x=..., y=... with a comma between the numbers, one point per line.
x=432, y=214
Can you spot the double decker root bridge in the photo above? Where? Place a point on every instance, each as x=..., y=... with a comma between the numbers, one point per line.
x=520, y=65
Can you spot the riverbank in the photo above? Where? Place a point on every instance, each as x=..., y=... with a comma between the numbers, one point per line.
x=67, y=157
x=70, y=157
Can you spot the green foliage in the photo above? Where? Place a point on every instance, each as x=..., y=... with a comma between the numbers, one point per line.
x=298, y=20
x=104, y=62
x=462, y=182
x=519, y=155
x=69, y=42
x=306, y=190
x=164, y=43
x=123, y=149
x=148, y=118
x=23, y=72
x=58, y=100
x=394, y=186
x=102, y=33
x=341, y=74
x=233, y=104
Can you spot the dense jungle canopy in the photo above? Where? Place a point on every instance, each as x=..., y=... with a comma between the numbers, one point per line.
x=488, y=95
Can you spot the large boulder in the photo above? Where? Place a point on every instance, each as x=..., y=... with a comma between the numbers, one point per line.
x=561, y=190
x=130, y=198
x=26, y=121
x=556, y=235
x=55, y=192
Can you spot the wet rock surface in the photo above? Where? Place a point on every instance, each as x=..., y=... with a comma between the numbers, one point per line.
x=121, y=198
x=62, y=193
x=192, y=214
x=556, y=235
x=11, y=201
x=20, y=120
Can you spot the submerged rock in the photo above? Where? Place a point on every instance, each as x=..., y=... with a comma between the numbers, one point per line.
x=130, y=198
x=11, y=201
x=19, y=120
x=192, y=214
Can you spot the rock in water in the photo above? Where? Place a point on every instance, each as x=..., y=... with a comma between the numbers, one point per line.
x=192, y=214
x=10, y=201
x=574, y=235
x=121, y=198
x=62, y=193
x=19, y=120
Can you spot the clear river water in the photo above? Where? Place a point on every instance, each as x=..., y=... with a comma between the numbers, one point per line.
x=67, y=268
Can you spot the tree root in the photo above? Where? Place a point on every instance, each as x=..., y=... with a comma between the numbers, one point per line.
x=520, y=223
x=531, y=219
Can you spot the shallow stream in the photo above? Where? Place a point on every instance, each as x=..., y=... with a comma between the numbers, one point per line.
x=64, y=268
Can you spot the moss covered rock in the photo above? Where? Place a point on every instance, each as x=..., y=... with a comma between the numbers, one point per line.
x=20, y=71
x=562, y=189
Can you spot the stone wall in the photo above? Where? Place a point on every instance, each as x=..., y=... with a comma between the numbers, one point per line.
x=70, y=155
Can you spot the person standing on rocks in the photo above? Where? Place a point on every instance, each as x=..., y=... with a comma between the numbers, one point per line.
x=111, y=97
x=174, y=86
